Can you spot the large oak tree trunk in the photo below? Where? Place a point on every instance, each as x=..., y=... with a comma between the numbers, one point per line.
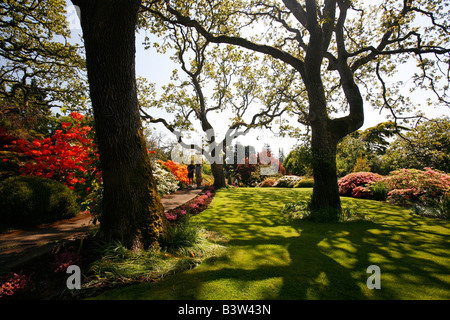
x=218, y=174
x=132, y=210
x=325, y=202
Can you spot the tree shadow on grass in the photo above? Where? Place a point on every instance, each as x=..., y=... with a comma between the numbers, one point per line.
x=273, y=257
x=306, y=272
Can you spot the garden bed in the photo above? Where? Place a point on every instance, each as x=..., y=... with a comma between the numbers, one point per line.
x=45, y=277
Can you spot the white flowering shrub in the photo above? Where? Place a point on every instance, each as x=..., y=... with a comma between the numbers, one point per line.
x=287, y=181
x=165, y=180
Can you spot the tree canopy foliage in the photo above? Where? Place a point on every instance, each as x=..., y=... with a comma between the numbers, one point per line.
x=374, y=39
x=428, y=145
x=213, y=79
x=41, y=66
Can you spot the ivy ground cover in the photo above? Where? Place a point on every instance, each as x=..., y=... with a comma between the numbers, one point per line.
x=271, y=256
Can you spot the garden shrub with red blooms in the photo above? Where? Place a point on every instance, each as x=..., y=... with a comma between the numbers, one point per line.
x=357, y=184
x=64, y=259
x=5, y=139
x=245, y=171
x=15, y=283
x=68, y=156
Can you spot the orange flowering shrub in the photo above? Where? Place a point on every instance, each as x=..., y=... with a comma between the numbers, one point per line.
x=68, y=156
x=179, y=171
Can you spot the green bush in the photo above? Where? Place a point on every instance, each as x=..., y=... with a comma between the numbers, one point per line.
x=439, y=209
x=305, y=183
x=379, y=190
x=29, y=201
x=184, y=233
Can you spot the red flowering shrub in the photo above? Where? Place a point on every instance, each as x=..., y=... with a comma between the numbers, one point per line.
x=356, y=184
x=5, y=139
x=245, y=171
x=64, y=259
x=15, y=283
x=68, y=156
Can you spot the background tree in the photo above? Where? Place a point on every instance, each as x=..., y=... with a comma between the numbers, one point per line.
x=132, y=211
x=427, y=145
x=223, y=80
x=363, y=150
x=160, y=143
x=336, y=46
x=41, y=67
x=299, y=161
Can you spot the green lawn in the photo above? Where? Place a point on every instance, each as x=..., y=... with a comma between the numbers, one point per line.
x=273, y=257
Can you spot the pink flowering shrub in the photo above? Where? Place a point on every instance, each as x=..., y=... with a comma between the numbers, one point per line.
x=411, y=185
x=402, y=196
x=208, y=194
x=171, y=216
x=65, y=259
x=194, y=207
x=199, y=202
x=357, y=184
x=427, y=190
x=362, y=192
x=14, y=284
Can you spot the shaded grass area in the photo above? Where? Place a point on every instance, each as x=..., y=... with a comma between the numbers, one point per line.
x=271, y=256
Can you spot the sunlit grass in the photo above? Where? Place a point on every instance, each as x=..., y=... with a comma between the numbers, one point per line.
x=271, y=256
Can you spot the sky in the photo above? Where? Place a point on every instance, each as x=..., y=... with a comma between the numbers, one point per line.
x=157, y=68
